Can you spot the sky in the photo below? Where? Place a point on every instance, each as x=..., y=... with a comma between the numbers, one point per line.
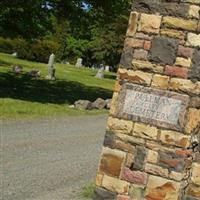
x=86, y=6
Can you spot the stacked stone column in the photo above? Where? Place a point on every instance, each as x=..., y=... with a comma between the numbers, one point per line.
x=147, y=154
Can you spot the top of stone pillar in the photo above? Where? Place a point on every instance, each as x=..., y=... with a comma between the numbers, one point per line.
x=175, y=8
x=165, y=33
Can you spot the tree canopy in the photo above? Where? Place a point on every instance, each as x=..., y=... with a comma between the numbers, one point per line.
x=92, y=29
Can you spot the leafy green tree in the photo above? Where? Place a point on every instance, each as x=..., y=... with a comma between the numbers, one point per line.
x=62, y=32
x=91, y=29
x=76, y=48
x=108, y=30
x=27, y=19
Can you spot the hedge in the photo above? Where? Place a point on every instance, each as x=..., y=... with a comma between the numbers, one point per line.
x=38, y=50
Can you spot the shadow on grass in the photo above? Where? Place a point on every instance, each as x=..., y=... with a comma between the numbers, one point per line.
x=110, y=76
x=3, y=63
x=43, y=91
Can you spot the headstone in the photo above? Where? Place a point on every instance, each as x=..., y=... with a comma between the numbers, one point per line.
x=14, y=54
x=17, y=69
x=94, y=66
x=51, y=69
x=65, y=62
x=79, y=62
x=151, y=148
x=100, y=73
x=34, y=73
x=107, y=68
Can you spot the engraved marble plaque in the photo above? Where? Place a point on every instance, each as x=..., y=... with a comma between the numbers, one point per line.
x=156, y=107
x=152, y=106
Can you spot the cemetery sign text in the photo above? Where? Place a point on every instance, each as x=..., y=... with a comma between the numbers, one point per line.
x=157, y=107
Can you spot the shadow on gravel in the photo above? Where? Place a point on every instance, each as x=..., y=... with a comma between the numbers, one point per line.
x=38, y=90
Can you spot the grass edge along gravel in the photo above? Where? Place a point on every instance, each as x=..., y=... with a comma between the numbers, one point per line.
x=88, y=191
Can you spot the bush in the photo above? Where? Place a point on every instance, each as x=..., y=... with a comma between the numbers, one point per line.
x=38, y=50
x=75, y=48
x=42, y=49
x=6, y=45
x=22, y=48
x=16, y=45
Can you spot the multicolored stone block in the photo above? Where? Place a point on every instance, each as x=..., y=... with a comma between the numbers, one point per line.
x=149, y=152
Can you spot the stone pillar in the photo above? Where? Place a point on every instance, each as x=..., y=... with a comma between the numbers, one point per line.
x=150, y=149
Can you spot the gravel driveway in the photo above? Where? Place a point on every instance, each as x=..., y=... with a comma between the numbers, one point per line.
x=49, y=159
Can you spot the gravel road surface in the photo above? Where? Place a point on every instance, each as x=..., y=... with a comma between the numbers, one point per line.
x=49, y=159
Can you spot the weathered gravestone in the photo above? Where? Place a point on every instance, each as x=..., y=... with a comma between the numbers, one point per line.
x=17, y=69
x=151, y=148
x=100, y=73
x=107, y=68
x=79, y=62
x=35, y=73
x=51, y=69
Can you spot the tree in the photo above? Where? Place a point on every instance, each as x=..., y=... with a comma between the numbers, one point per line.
x=27, y=19
x=92, y=29
x=108, y=31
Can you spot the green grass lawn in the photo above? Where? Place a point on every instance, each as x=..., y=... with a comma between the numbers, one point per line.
x=25, y=97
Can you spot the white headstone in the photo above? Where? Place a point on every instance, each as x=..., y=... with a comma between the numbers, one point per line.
x=107, y=68
x=100, y=73
x=51, y=69
x=79, y=62
x=51, y=60
x=14, y=54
